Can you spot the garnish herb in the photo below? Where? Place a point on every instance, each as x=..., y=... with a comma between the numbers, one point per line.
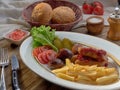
x=43, y=35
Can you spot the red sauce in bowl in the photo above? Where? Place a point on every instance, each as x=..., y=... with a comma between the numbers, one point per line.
x=17, y=34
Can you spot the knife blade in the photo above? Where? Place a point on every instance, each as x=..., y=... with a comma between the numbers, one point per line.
x=15, y=68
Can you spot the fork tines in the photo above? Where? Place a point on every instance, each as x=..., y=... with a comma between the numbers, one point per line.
x=4, y=57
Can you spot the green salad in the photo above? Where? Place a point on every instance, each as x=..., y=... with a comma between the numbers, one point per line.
x=43, y=35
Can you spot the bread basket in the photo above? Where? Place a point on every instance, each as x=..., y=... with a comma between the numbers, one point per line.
x=26, y=14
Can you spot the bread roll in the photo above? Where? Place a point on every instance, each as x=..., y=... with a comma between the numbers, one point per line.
x=42, y=13
x=62, y=15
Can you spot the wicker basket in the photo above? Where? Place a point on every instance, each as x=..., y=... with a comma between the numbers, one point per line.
x=54, y=3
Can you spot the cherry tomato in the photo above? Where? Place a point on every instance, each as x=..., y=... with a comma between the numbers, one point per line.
x=98, y=10
x=97, y=3
x=87, y=8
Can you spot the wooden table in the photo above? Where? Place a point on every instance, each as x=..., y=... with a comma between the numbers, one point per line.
x=28, y=80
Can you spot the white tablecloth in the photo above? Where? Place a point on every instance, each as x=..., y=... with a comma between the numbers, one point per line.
x=10, y=13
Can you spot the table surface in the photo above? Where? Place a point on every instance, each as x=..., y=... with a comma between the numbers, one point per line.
x=28, y=80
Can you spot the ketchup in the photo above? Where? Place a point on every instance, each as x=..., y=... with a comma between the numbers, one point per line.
x=17, y=34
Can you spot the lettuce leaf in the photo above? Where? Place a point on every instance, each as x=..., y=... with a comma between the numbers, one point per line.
x=43, y=35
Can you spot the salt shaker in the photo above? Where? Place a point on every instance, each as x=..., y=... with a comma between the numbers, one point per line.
x=114, y=21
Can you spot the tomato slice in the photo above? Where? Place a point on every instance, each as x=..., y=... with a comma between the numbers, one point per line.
x=44, y=57
x=38, y=50
x=39, y=58
x=51, y=55
x=35, y=52
x=44, y=48
x=44, y=54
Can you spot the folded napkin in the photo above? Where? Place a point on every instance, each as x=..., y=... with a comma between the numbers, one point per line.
x=10, y=13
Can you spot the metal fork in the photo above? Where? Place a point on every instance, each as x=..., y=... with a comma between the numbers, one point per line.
x=4, y=61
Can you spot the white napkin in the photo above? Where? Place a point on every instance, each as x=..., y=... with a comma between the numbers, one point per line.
x=10, y=13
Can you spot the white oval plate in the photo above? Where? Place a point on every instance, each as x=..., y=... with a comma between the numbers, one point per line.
x=28, y=59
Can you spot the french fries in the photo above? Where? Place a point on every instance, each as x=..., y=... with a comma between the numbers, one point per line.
x=87, y=74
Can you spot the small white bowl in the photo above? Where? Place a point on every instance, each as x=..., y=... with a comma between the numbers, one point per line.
x=8, y=36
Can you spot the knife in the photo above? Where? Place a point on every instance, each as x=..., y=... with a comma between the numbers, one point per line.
x=15, y=68
x=118, y=2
